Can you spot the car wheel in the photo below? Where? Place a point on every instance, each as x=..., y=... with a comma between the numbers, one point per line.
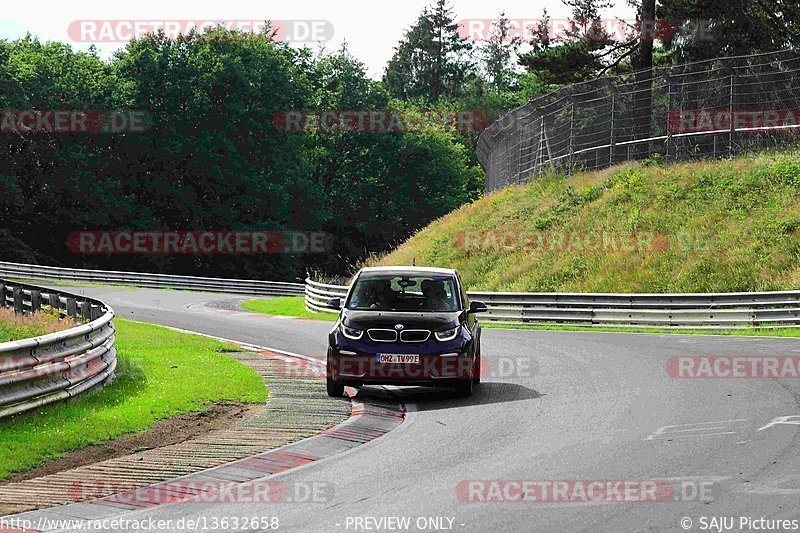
x=476, y=372
x=464, y=387
x=335, y=390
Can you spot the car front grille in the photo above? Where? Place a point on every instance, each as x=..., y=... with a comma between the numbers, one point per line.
x=414, y=335
x=382, y=335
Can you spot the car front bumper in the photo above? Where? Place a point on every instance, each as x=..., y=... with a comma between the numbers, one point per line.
x=432, y=369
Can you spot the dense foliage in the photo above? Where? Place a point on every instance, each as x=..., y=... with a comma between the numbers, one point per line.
x=212, y=157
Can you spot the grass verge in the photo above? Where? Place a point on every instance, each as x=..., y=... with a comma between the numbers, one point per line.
x=286, y=306
x=160, y=373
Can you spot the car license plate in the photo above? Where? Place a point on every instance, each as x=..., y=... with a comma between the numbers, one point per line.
x=390, y=358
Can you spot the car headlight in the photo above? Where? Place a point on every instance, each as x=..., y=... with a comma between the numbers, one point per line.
x=351, y=333
x=448, y=334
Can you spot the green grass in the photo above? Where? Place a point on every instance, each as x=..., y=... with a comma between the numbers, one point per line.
x=286, y=306
x=731, y=225
x=161, y=373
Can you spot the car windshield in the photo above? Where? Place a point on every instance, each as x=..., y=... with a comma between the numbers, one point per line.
x=397, y=292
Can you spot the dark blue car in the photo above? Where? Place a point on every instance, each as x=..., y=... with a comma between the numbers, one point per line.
x=405, y=326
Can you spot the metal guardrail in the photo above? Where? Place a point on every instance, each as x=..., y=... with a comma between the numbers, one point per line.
x=319, y=293
x=58, y=366
x=693, y=311
x=159, y=281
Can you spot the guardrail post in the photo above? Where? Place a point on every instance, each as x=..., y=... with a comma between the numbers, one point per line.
x=84, y=307
x=72, y=308
x=53, y=301
x=36, y=301
x=17, y=293
x=2, y=295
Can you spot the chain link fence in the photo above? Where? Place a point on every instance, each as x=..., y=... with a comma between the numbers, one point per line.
x=711, y=108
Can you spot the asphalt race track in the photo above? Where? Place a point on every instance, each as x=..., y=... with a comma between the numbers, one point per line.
x=556, y=406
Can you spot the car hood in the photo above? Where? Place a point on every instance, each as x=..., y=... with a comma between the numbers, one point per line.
x=409, y=320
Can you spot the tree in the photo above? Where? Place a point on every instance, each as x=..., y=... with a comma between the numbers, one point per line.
x=497, y=52
x=48, y=177
x=579, y=55
x=540, y=35
x=213, y=159
x=432, y=60
x=705, y=29
x=642, y=63
x=371, y=179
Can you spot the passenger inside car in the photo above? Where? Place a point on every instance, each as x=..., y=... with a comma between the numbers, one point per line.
x=386, y=297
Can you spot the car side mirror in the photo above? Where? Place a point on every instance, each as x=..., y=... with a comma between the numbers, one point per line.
x=477, y=307
x=334, y=303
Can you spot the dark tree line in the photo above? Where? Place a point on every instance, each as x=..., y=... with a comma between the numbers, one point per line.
x=213, y=158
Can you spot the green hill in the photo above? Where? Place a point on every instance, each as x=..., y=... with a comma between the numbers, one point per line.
x=705, y=226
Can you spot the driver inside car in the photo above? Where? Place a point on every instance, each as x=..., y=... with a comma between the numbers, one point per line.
x=435, y=295
x=368, y=296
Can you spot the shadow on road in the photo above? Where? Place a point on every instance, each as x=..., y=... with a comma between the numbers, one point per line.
x=429, y=399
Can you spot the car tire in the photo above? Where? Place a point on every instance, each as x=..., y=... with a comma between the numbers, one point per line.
x=476, y=372
x=335, y=390
x=464, y=387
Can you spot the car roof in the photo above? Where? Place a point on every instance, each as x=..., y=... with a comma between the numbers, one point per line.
x=408, y=270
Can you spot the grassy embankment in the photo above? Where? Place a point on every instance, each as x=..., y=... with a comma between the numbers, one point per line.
x=730, y=225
